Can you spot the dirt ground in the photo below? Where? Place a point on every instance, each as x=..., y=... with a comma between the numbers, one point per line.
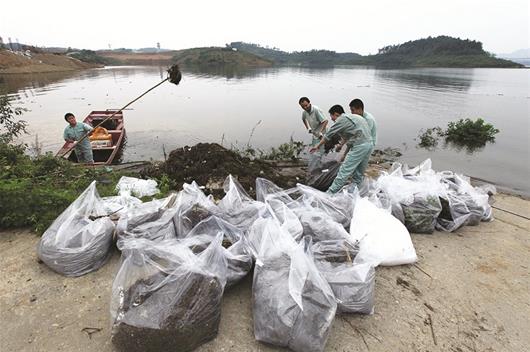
x=38, y=63
x=469, y=291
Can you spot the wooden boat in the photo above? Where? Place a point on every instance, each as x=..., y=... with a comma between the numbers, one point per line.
x=103, y=154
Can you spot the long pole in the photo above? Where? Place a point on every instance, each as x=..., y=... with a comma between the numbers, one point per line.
x=113, y=114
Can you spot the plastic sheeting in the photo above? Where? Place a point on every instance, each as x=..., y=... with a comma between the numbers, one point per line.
x=164, y=296
x=75, y=244
x=293, y=305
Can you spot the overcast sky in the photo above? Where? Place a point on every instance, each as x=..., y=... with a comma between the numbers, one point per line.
x=353, y=26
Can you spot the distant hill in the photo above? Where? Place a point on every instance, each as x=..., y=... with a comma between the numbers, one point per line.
x=22, y=62
x=312, y=57
x=217, y=56
x=521, y=56
x=442, y=51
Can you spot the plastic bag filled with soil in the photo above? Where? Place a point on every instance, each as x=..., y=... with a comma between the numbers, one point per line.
x=420, y=215
x=193, y=206
x=477, y=200
x=323, y=177
x=319, y=225
x=151, y=220
x=237, y=207
x=137, y=187
x=454, y=214
x=235, y=246
x=339, y=205
x=293, y=305
x=286, y=217
x=119, y=205
x=266, y=189
x=166, y=298
x=383, y=239
x=75, y=244
x=351, y=283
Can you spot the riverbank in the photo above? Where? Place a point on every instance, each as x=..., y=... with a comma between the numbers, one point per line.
x=15, y=63
x=469, y=291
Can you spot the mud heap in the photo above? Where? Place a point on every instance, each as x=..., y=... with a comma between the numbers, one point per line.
x=209, y=163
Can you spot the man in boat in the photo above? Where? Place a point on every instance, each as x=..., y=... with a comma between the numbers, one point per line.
x=316, y=124
x=73, y=133
x=357, y=108
x=354, y=130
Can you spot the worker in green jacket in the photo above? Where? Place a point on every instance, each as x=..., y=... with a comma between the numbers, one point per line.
x=73, y=133
x=357, y=108
x=354, y=131
x=316, y=123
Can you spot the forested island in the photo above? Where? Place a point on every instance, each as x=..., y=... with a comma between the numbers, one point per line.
x=442, y=51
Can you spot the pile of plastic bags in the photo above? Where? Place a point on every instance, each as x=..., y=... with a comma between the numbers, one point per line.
x=314, y=254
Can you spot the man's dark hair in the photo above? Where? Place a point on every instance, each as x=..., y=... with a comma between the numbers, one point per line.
x=336, y=109
x=67, y=115
x=302, y=99
x=357, y=104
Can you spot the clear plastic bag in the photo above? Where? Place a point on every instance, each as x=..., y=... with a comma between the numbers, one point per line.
x=454, y=213
x=383, y=239
x=237, y=207
x=319, y=225
x=286, y=217
x=339, y=205
x=351, y=283
x=151, y=220
x=136, y=187
x=293, y=305
x=421, y=215
x=80, y=239
x=323, y=177
x=164, y=296
x=193, y=206
x=117, y=206
x=235, y=246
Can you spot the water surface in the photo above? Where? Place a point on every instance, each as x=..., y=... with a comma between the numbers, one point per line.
x=225, y=105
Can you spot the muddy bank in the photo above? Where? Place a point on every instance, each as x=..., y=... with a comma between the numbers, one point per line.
x=14, y=63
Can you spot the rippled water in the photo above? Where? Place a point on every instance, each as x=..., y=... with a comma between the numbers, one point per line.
x=224, y=106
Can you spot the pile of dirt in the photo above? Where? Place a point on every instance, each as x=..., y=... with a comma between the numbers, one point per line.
x=11, y=62
x=209, y=164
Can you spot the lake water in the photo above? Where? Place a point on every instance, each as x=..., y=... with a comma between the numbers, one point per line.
x=226, y=106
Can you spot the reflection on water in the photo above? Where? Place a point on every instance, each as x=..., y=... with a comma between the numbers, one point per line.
x=224, y=104
x=435, y=79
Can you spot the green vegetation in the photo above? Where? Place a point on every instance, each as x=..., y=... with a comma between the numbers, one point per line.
x=92, y=57
x=464, y=133
x=285, y=151
x=34, y=191
x=215, y=56
x=442, y=51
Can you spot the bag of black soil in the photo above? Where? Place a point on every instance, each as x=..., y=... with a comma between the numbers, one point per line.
x=235, y=246
x=293, y=305
x=323, y=177
x=166, y=298
x=151, y=220
x=339, y=205
x=193, y=206
x=351, y=283
x=454, y=213
x=237, y=207
x=80, y=239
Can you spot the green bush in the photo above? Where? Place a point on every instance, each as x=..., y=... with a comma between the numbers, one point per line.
x=468, y=132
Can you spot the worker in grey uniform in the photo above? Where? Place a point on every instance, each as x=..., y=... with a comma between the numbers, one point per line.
x=316, y=124
x=73, y=133
x=354, y=131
